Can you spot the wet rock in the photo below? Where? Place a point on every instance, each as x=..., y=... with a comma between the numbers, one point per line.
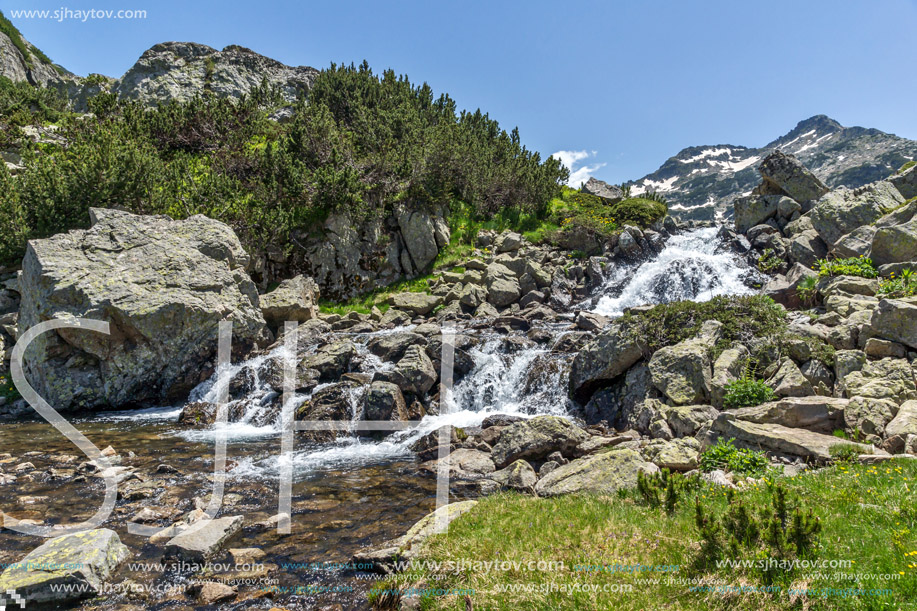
x=537, y=438
x=384, y=401
x=331, y=360
x=213, y=592
x=502, y=285
x=392, y=346
x=611, y=354
x=203, y=540
x=394, y=317
x=604, y=473
x=413, y=374
x=330, y=404
x=84, y=563
x=295, y=299
x=163, y=286
x=427, y=447
x=589, y=321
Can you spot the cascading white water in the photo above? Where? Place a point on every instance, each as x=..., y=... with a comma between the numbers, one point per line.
x=692, y=266
x=507, y=378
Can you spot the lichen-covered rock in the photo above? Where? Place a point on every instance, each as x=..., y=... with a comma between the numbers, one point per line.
x=502, y=285
x=536, y=438
x=686, y=420
x=518, y=476
x=844, y=210
x=789, y=381
x=603, y=473
x=183, y=70
x=683, y=372
x=418, y=304
x=869, y=416
x=331, y=360
x=65, y=568
x=896, y=320
x=676, y=455
x=602, y=189
x=728, y=367
x=785, y=174
x=601, y=361
x=295, y=299
x=414, y=373
x=905, y=421
x=753, y=210
x=162, y=285
x=895, y=244
x=819, y=414
x=888, y=378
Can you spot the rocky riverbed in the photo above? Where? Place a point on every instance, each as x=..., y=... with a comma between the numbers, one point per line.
x=562, y=384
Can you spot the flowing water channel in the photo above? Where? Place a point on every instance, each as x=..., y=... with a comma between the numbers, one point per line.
x=353, y=492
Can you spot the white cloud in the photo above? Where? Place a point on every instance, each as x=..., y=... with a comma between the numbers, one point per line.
x=571, y=159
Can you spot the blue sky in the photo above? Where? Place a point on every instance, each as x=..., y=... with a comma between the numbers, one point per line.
x=627, y=84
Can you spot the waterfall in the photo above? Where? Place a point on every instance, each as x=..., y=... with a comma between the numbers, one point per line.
x=694, y=265
x=510, y=374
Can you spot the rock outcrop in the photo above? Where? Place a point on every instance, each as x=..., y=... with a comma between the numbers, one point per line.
x=162, y=285
x=182, y=70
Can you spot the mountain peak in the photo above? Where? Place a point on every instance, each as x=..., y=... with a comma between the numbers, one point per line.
x=820, y=123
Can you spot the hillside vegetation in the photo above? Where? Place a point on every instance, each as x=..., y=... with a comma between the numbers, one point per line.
x=359, y=144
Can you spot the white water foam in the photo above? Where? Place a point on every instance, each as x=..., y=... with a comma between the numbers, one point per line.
x=692, y=266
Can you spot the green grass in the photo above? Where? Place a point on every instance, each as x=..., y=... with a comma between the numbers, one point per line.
x=364, y=303
x=907, y=165
x=900, y=285
x=868, y=516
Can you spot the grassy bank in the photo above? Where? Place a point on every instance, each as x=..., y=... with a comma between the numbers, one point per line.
x=867, y=517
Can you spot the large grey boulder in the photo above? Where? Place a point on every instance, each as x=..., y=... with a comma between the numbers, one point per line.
x=419, y=234
x=601, y=361
x=520, y=475
x=384, y=401
x=841, y=211
x=784, y=173
x=414, y=373
x=819, y=414
x=869, y=416
x=906, y=182
x=64, y=568
x=753, y=210
x=183, y=70
x=887, y=378
x=419, y=304
x=789, y=381
x=728, y=367
x=602, y=189
x=905, y=422
x=202, y=540
x=676, y=455
x=162, y=285
x=683, y=372
x=391, y=346
x=777, y=439
x=603, y=473
x=502, y=285
x=807, y=248
x=896, y=320
x=535, y=439
x=895, y=244
x=856, y=243
x=294, y=299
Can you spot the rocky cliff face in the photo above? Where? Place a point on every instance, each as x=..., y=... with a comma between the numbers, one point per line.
x=181, y=70
x=32, y=66
x=702, y=182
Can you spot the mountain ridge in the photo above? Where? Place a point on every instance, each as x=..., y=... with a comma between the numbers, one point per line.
x=701, y=182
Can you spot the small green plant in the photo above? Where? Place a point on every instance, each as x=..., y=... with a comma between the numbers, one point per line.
x=725, y=456
x=907, y=166
x=854, y=266
x=665, y=489
x=845, y=452
x=747, y=392
x=903, y=285
x=807, y=290
x=769, y=261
